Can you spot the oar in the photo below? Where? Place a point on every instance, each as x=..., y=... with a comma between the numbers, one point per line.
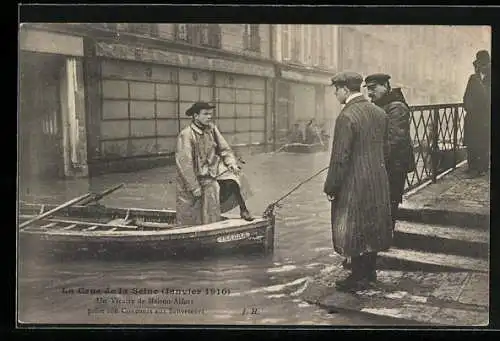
x=58, y=208
x=101, y=195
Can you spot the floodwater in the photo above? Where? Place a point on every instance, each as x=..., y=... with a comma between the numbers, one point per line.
x=235, y=289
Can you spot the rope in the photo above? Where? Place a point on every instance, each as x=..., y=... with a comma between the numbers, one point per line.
x=271, y=206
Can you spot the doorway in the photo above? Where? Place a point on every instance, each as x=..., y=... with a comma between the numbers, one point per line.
x=284, y=112
x=40, y=128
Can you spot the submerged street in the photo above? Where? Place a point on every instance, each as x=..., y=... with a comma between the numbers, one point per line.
x=257, y=290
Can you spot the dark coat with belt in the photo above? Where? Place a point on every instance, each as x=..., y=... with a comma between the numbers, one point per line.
x=357, y=178
x=401, y=158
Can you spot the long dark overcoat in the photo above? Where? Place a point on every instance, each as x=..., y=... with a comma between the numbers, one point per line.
x=357, y=178
x=477, y=103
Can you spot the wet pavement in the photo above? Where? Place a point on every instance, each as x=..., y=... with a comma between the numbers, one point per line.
x=455, y=192
x=248, y=289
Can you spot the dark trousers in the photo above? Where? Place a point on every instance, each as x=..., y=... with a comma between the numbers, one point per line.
x=228, y=188
x=394, y=213
x=364, y=266
x=397, y=180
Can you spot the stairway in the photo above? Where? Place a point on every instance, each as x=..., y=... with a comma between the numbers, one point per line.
x=422, y=245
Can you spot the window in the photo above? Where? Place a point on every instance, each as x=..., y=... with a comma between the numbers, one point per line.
x=399, y=62
x=327, y=61
x=358, y=48
x=181, y=32
x=199, y=34
x=251, y=37
x=323, y=46
x=107, y=26
x=296, y=35
x=314, y=43
x=308, y=43
x=144, y=29
x=348, y=42
x=285, y=42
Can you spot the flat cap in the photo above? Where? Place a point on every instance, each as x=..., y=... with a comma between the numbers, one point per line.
x=376, y=78
x=196, y=107
x=347, y=77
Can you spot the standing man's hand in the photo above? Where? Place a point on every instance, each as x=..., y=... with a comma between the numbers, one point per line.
x=197, y=192
x=235, y=169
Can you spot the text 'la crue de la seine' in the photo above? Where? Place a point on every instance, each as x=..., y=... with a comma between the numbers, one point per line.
x=147, y=291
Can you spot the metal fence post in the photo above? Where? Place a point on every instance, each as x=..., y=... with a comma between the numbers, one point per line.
x=435, y=147
x=455, y=136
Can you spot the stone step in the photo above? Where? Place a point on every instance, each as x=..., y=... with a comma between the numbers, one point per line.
x=471, y=220
x=413, y=260
x=442, y=239
x=411, y=313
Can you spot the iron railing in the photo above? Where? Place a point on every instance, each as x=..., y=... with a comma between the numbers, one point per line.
x=437, y=135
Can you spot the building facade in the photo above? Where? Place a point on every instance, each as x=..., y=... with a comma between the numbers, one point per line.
x=430, y=63
x=140, y=79
x=104, y=97
x=308, y=58
x=52, y=108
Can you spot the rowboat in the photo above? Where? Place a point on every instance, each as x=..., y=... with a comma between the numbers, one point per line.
x=120, y=232
x=302, y=148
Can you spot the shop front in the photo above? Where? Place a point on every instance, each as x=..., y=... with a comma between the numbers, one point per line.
x=301, y=98
x=143, y=99
x=51, y=121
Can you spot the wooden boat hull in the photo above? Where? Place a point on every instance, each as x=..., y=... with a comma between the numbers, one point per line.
x=95, y=235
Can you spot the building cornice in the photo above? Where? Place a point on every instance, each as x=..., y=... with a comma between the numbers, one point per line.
x=121, y=37
x=126, y=42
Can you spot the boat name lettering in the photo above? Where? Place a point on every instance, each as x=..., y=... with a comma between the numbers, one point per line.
x=256, y=237
x=233, y=237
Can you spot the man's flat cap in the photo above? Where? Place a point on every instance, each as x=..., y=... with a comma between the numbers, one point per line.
x=376, y=78
x=197, y=107
x=347, y=77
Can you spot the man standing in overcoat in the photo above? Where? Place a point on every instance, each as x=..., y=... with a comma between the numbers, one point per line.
x=477, y=103
x=401, y=159
x=357, y=183
x=209, y=180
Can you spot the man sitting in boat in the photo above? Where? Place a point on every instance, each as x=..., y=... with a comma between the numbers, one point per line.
x=296, y=135
x=209, y=179
x=313, y=134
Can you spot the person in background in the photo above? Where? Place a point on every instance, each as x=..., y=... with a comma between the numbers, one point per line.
x=296, y=134
x=477, y=123
x=209, y=180
x=357, y=183
x=313, y=134
x=401, y=158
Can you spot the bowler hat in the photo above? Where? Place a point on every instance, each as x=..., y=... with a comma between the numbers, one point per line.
x=482, y=58
x=197, y=107
x=347, y=78
x=376, y=78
